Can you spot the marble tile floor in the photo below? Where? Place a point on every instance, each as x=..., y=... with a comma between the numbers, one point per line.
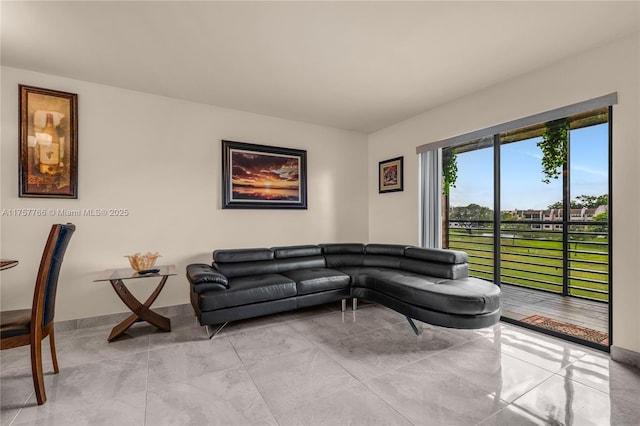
x=320, y=367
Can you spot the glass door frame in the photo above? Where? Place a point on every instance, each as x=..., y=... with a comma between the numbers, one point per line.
x=566, y=223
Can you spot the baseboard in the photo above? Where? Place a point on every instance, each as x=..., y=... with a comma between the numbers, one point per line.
x=625, y=356
x=113, y=319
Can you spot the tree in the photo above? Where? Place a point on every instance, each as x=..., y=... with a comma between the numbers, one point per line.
x=602, y=217
x=560, y=205
x=469, y=216
x=507, y=218
x=584, y=201
x=556, y=205
x=505, y=215
x=593, y=201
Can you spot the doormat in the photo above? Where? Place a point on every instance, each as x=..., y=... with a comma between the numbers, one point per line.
x=584, y=333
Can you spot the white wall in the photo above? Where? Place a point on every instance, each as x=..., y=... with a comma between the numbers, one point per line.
x=610, y=68
x=161, y=159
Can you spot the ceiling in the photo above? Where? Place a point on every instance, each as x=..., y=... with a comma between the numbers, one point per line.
x=352, y=65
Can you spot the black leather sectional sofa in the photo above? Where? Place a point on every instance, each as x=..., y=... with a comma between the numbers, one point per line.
x=430, y=285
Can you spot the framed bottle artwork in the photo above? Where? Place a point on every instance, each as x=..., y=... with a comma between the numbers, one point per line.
x=48, y=165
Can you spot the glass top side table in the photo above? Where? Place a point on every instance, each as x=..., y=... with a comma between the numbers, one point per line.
x=141, y=311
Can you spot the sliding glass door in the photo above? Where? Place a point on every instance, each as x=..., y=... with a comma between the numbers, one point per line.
x=531, y=254
x=531, y=208
x=469, y=205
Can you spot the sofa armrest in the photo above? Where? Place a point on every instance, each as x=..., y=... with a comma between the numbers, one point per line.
x=204, y=278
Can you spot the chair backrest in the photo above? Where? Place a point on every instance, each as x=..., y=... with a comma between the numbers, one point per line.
x=47, y=280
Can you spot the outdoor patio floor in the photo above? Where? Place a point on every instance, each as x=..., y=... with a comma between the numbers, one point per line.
x=520, y=302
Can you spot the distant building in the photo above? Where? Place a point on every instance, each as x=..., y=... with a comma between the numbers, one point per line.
x=556, y=215
x=549, y=215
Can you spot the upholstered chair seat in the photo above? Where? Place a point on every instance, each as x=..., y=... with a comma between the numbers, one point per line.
x=15, y=323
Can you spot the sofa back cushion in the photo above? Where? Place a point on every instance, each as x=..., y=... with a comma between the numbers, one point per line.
x=242, y=255
x=342, y=255
x=259, y=261
x=448, y=264
x=292, y=258
x=344, y=260
x=296, y=251
x=450, y=271
x=382, y=261
x=242, y=262
x=384, y=255
x=343, y=248
x=243, y=269
x=296, y=263
x=437, y=255
x=386, y=249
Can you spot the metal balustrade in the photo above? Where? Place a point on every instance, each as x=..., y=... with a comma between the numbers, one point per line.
x=543, y=259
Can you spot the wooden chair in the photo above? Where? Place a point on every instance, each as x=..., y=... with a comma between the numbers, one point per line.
x=29, y=326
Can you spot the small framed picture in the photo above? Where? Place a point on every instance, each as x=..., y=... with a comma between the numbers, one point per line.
x=390, y=175
x=48, y=164
x=263, y=177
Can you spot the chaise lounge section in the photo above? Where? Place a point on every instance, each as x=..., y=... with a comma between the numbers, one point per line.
x=430, y=285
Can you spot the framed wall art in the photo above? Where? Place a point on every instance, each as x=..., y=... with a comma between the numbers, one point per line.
x=48, y=163
x=263, y=177
x=390, y=175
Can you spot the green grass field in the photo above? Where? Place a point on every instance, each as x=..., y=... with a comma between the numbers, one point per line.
x=537, y=263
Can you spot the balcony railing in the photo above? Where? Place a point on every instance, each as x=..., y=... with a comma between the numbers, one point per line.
x=538, y=254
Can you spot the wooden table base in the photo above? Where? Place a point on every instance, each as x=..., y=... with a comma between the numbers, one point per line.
x=141, y=312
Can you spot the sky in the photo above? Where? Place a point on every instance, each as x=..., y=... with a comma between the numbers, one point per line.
x=265, y=170
x=521, y=173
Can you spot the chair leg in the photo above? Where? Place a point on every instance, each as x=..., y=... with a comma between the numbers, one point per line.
x=54, y=358
x=36, y=370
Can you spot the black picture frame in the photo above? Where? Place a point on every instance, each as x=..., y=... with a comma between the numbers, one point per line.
x=263, y=177
x=391, y=175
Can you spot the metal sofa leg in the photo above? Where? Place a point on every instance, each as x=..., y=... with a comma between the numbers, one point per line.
x=413, y=326
x=354, y=303
x=215, y=332
x=344, y=305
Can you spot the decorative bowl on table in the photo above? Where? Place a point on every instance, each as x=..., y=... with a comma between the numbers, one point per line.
x=143, y=262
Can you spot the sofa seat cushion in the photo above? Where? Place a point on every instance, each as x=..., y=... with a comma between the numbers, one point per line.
x=314, y=280
x=463, y=296
x=248, y=290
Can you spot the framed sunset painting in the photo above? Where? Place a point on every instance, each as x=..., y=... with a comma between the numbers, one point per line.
x=263, y=177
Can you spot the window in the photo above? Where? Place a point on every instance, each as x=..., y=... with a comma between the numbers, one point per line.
x=531, y=232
